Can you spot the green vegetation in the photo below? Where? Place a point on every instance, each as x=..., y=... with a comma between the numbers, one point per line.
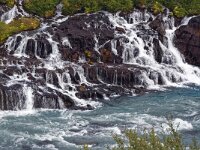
x=157, y=8
x=43, y=8
x=89, y=6
x=180, y=8
x=149, y=140
x=21, y=24
x=9, y=3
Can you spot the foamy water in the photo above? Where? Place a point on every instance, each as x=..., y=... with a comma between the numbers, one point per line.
x=68, y=129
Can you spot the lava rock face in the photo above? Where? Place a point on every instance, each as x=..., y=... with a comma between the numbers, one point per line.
x=83, y=32
x=187, y=40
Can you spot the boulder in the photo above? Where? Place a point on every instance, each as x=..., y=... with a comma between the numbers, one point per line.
x=158, y=25
x=187, y=40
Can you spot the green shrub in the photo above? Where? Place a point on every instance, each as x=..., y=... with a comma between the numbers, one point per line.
x=91, y=6
x=140, y=3
x=179, y=11
x=46, y=8
x=43, y=8
x=157, y=8
x=180, y=8
x=71, y=7
x=16, y=26
x=151, y=141
x=118, y=5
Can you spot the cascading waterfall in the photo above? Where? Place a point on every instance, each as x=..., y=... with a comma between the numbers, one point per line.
x=134, y=51
x=62, y=78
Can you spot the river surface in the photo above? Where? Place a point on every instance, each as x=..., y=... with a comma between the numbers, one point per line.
x=68, y=130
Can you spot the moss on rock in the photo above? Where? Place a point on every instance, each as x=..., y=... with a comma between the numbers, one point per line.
x=16, y=26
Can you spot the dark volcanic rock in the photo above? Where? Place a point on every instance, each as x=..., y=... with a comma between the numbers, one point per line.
x=159, y=25
x=82, y=32
x=3, y=9
x=39, y=47
x=12, y=97
x=158, y=53
x=187, y=40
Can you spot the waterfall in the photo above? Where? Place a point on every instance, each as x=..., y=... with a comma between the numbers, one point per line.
x=134, y=51
x=7, y=17
x=29, y=97
x=54, y=62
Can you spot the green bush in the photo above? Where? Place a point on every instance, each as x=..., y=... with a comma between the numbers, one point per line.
x=157, y=8
x=180, y=8
x=118, y=5
x=179, y=11
x=71, y=7
x=46, y=8
x=43, y=8
x=151, y=141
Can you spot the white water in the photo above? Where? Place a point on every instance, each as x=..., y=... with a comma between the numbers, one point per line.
x=174, y=66
x=29, y=98
x=69, y=129
x=7, y=17
x=14, y=12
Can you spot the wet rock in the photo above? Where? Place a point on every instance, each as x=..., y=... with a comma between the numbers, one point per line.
x=158, y=53
x=12, y=97
x=46, y=100
x=3, y=9
x=81, y=31
x=40, y=47
x=120, y=30
x=187, y=40
x=158, y=25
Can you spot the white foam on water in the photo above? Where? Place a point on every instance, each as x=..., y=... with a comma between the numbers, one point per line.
x=114, y=130
x=18, y=113
x=182, y=125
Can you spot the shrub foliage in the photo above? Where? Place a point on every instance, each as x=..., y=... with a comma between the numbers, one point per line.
x=149, y=140
x=46, y=8
x=43, y=8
